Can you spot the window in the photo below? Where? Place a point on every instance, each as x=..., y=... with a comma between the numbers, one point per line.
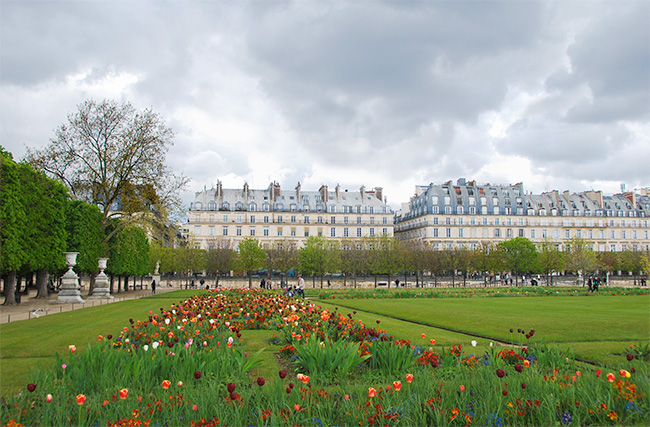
x=447, y=232
x=358, y=220
x=239, y=230
x=520, y=233
x=280, y=231
x=238, y=219
x=372, y=231
x=358, y=232
x=266, y=231
x=306, y=233
x=497, y=232
x=567, y=234
x=293, y=219
x=252, y=231
x=224, y=231
x=346, y=232
x=384, y=231
x=333, y=220
x=447, y=221
x=484, y=221
x=266, y=219
x=253, y=219
x=306, y=220
x=211, y=230
x=448, y=210
x=509, y=233
x=320, y=219
x=372, y=219
x=461, y=232
x=225, y=218
x=435, y=232
x=332, y=232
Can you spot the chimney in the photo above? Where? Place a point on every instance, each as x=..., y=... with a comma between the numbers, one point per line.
x=245, y=194
x=379, y=193
x=298, y=193
x=362, y=190
x=337, y=189
x=219, y=194
x=323, y=193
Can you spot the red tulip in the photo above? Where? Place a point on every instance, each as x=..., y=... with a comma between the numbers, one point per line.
x=504, y=392
x=462, y=387
x=372, y=392
x=231, y=387
x=397, y=385
x=124, y=393
x=31, y=387
x=197, y=374
x=260, y=381
x=409, y=378
x=523, y=385
x=81, y=399
x=282, y=374
x=630, y=356
x=166, y=384
x=519, y=367
x=598, y=372
x=501, y=373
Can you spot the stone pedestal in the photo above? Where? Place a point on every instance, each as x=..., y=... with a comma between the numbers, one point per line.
x=70, y=292
x=101, y=289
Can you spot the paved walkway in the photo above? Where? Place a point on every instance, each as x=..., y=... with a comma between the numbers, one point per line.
x=31, y=308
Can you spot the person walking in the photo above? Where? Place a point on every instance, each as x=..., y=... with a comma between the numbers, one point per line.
x=153, y=287
x=301, y=286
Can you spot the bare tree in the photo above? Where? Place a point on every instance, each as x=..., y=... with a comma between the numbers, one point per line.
x=113, y=156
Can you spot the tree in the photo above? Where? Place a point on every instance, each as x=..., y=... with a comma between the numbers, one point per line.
x=85, y=235
x=608, y=261
x=631, y=261
x=281, y=256
x=487, y=259
x=113, y=156
x=549, y=259
x=580, y=258
x=221, y=257
x=520, y=255
x=251, y=257
x=44, y=202
x=13, y=225
x=313, y=256
x=129, y=253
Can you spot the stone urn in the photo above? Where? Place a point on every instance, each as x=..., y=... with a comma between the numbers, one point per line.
x=101, y=289
x=70, y=292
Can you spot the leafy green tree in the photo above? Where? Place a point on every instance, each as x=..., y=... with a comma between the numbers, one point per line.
x=44, y=201
x=251, y=257
x=129, y=253
x=313, y=257
x=13, y=225
x=579, y=257
x=415, y=259
x=487, y=259
x=631, y=261
x=550, y=259
x=85, y=235
x=282, y=256
x=608, y=261
x=520, y=256
x=110, y=155
x=221, y=257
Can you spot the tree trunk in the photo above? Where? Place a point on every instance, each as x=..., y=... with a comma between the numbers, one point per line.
x=388, y=282
x=41, y=283
x=10, y=288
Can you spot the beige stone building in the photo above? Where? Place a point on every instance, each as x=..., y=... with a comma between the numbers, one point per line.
x=466, y=213
x=276, y=215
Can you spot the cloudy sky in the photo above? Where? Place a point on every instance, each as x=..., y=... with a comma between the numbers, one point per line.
x=376, y=93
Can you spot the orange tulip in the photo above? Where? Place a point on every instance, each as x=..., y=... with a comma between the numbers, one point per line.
x=81, y=399
x=372, y=392
x=124, y=393
x=462, y=387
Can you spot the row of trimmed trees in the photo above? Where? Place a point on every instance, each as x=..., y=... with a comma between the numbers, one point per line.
x=38, y=222
x=386, y=256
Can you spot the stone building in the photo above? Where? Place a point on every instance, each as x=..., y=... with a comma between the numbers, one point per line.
x=270, y=215
x=466, y=213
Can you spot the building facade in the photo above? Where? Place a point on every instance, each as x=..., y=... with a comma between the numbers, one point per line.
x=466, y=213
x=275, y=215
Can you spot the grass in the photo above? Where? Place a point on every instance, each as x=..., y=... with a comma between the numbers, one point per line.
x=595, y=328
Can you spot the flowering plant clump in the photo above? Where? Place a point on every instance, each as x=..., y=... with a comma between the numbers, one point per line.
x=190, y=365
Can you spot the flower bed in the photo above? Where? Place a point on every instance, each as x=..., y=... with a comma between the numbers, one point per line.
x=189, y=366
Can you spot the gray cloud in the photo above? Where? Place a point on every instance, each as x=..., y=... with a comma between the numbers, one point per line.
x=378, y=93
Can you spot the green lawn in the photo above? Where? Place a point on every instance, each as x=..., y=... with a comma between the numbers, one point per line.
x=594, y=327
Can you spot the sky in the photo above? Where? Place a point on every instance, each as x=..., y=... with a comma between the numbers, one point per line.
x=391, y=94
